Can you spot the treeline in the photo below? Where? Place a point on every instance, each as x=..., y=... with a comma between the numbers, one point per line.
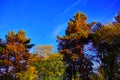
x=73, y=61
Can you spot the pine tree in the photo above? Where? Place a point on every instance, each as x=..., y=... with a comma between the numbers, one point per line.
x=16, y=54
x=71, y=46
x=106, y=40
x=118, y=17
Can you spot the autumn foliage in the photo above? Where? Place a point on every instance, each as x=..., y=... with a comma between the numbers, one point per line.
x=73, y=61
x=71, y=46
x=15, y=54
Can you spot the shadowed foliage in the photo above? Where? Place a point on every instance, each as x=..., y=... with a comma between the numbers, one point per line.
x=14, y=54
x=71, y=46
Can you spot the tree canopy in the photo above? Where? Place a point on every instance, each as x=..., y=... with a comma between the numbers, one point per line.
x=73, y=61
x=14, y=54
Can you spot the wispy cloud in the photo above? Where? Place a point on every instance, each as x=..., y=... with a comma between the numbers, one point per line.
x=59, y=29
x=71, y=6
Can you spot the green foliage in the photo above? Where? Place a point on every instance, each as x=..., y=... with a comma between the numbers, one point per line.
x=48, y=64
x=29, y=74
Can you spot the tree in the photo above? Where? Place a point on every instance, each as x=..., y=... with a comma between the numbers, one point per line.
x=71, y=46
x=106, y=40
x=15, y=54
x=48, y=64
x=118, y=17
x=2, y=62
x=29, y=74
x=43, y=51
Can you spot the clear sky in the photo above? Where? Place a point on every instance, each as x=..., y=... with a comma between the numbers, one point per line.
x=44, y=19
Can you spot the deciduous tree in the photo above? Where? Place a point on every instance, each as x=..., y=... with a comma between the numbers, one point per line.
x=48, y=64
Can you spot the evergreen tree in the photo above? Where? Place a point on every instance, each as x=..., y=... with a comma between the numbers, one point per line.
x=106, y=40
x=118, y=17
x=15, y=54
x=71, y=46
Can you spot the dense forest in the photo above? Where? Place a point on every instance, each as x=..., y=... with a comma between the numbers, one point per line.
x=87, y=51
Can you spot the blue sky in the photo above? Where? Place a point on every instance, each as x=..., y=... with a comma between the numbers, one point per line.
x=44, y=19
